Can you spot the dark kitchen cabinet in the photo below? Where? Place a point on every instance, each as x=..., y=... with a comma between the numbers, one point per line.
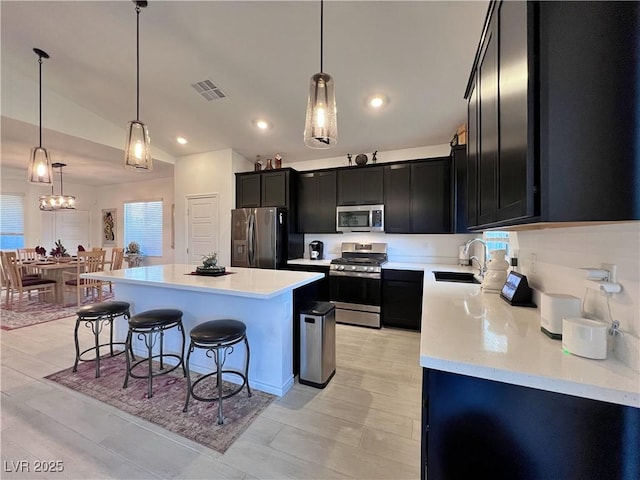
x=360, y=186
x=248, y=190
x=431, y=196
x=552, y=112
x=417, y=196
x=459, y=194
x=402, y=298
x=478, y=428
x=273, y=188
x=269, y=188
x=317, y=202
x=397, y=198
x=322, y=286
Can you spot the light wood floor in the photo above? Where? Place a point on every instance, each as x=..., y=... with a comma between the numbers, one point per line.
x=365, y=424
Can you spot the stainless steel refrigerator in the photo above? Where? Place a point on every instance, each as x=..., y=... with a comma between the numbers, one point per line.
x=259, y=237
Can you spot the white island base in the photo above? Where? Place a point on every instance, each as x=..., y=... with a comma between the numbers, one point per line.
x=262, y=299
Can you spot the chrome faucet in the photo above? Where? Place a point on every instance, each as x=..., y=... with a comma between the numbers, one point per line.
x=481, y=265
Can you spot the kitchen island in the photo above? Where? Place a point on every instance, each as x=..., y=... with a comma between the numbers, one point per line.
x=262, y=299
x=502, y=400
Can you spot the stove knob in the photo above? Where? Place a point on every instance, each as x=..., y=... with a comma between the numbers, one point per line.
x=340, y=267
x=353, y=267
x=370, y=269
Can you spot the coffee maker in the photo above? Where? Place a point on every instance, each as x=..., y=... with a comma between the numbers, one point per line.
x=315, y=250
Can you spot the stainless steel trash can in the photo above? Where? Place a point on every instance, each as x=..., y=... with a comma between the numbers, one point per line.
x=317, y=344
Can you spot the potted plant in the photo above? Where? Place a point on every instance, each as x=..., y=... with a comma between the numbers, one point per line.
x=132, y=254
x=59, y=252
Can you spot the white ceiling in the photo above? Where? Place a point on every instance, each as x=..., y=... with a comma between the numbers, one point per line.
x=261, y=54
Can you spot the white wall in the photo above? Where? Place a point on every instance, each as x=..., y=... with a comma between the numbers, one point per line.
x=15, y=181
x=205, y=173
x=560, y=254
x=114, y=196
x=92, y=199
x=382, y=157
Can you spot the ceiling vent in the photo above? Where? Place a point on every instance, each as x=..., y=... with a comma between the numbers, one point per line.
x=209, y=90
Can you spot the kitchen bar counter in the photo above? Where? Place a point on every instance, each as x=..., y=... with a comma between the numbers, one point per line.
x=262, y=299
x=469, y=332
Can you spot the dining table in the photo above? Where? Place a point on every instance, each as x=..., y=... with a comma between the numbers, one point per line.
x=52, y=269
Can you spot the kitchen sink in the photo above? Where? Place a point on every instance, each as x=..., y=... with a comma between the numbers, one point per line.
x=458, y=277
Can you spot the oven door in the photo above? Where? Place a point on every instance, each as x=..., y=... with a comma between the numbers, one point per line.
x=357, y=297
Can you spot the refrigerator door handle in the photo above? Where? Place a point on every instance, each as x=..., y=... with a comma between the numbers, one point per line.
x=251, y=240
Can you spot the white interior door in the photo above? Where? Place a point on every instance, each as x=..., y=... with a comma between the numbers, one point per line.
x=202, y=228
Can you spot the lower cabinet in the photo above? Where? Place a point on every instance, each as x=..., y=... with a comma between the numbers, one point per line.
x=402, y=298
x=477, y=428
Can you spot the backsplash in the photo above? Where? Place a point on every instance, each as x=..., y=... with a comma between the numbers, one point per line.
x=438, y=249
x=559, y=255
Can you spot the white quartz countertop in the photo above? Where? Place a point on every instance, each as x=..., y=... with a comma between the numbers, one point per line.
x=243, y=282
x=469, y=332
x=306, y=261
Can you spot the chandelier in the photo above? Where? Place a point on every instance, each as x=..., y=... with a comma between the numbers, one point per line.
x=57, y=202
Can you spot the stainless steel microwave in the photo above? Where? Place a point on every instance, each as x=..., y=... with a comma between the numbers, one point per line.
x=360, y=218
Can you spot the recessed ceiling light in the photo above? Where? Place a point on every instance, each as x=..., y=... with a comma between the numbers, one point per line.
x=377, y=101
x=262, y=124
x=181, y=140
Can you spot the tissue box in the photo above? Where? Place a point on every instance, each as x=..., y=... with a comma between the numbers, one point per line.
x=585, y=337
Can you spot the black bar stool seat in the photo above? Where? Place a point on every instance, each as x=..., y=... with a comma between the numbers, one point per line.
x=218, y=336
x=149, y=326
x=96, y=316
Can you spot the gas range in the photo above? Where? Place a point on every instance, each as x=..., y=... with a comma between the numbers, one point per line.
x=356, y=283
x=360, y=258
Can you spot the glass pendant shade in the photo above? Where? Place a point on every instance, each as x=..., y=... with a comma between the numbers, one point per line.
x=138, y=147
x=51, y=202
x=321, y=125
x=40, y=170
x=57, y=202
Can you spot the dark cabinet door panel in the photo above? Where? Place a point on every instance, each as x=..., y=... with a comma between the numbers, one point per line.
x=360, y=186
x=402, y=299
x=488, y=144
x=317, y=202
x=397, y=198
x=431, y=196
x=372, y=186
x=275, y=189
x=248, y=191
x=472, y=158
x=514, y=183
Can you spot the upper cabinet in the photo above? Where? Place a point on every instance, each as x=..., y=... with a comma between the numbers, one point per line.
x=552, y=114
x=317, y=202
x=360, y=186
x=417, y=196
x=269, y=188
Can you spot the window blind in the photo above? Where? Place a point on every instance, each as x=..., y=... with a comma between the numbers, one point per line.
x=11, y=221
x=143, y=225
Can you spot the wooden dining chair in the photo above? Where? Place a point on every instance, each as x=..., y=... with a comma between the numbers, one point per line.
x=117, y=256
x=28, y=255
x=88, y=262
x=18, y=283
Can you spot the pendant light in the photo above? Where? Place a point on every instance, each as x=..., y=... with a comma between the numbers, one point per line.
x=137, y=153
x=321, y=125
x=57, y=202
x=39, y=161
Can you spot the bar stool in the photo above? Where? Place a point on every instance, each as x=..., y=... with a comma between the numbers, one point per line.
x=95, y=316
x=148, y=326
x=216, y=336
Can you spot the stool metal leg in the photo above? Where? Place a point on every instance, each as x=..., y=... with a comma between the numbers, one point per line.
x=219, y=378
x=96, y=327
x=184, y=369
x=75, y=337
x=161, y=349
x=128, y=349
x=188, y=375
x=246, y=368
x=111, y=334
x=149, y=343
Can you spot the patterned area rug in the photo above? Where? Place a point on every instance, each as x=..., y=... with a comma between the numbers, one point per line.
x=165, y=407
x=33, y=311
